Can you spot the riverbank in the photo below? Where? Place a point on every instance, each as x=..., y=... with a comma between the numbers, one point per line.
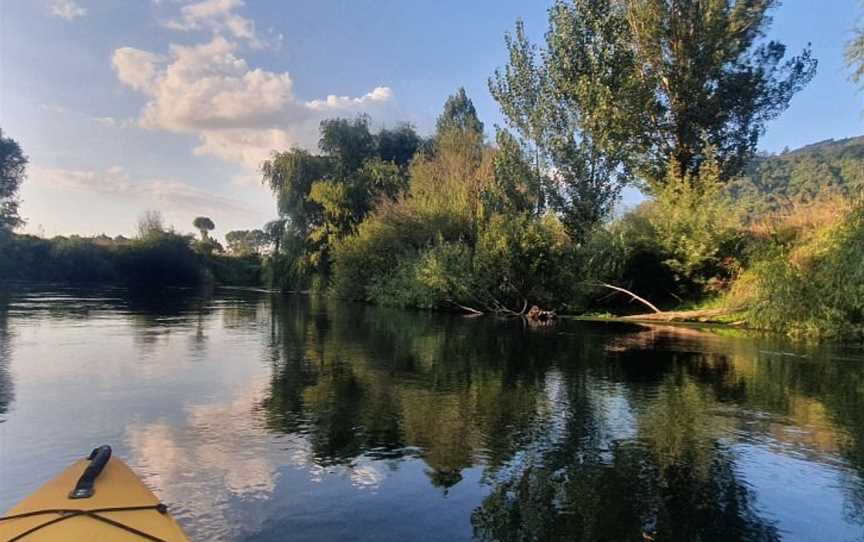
x=796, y=271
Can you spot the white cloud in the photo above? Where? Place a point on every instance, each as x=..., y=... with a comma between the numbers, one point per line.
x=136, y=68
x=218, y=16
x=208, y=87
x=252, y=146
x=108, y=122
x=169, y=194
x=66, y=9
x=113, y=122
x=379, y=94
x=240, y=114
x=52, y=108
x=112, y=180
x=235, y=459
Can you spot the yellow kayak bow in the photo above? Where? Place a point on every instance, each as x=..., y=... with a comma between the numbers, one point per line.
x=98, y=498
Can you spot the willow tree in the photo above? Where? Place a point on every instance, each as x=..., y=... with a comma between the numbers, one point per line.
x=630, y=86
x=323, y=197
x=290, y=174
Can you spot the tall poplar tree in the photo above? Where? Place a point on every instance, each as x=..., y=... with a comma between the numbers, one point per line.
x=631, y=86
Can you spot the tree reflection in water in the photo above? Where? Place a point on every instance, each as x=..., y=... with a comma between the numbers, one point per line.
x=368, y=381
x=530, y=409
x=582, y=432
x=673, y=481
x=7, y=393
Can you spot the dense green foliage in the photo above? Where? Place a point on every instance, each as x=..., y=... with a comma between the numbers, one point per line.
x=774, y=182
x=246, y=242
x=459, y=114
x=455, y=239
x=323, y=197
x=685, y=243
x=164, y=259
x=809, y=277
x=642, y=84
x=242, y=270
x=13, y=165
x=157, y=257
x=547, y=113
x=167, y=259
x=454, y=223
x=695, y=226
x=457, y=224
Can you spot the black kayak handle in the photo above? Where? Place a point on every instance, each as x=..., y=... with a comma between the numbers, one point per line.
x=98, y=459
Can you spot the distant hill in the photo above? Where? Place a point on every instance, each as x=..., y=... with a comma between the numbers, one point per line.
x=774, y=181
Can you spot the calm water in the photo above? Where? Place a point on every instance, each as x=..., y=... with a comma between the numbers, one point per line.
x=259, y=417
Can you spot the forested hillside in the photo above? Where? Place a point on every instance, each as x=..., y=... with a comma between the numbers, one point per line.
x=802, y=175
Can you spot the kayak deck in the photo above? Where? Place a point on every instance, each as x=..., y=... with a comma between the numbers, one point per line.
x=116, y=487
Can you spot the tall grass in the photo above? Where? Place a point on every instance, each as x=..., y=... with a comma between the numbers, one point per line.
x=808, y=280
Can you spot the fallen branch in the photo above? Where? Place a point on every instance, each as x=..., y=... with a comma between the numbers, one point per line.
x=503, y=309
x=631, y=294
x=466, y=309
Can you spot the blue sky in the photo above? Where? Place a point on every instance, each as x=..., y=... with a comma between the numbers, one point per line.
x=125, y=106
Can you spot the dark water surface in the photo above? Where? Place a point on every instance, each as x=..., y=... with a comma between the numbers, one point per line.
x=259, y=417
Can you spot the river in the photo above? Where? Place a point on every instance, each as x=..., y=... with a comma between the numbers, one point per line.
x=264, y=417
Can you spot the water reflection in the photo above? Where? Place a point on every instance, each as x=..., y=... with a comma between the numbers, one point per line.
x=589, y=435
x=6, y=389
x=257, y=415
x=366, y=381
x=214, y=455
x=675, y=480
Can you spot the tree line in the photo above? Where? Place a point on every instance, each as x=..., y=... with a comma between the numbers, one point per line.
x=668, y=97
x=157, y=256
